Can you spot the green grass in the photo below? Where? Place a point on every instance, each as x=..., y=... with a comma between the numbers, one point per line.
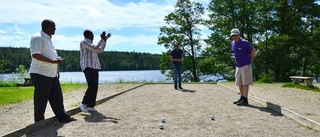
x=9, y=95
x=262, y=82
x=304, y=87
x=8, y=84
x=67, y=87
x=265, y=80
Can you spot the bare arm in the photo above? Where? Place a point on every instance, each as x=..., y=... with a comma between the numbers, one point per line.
x=253, y=54
x=172, y=59
x=45, y=59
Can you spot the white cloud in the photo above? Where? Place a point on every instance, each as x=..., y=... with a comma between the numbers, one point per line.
x=96, y=14
x=83, y=14
x=139, y=43
x=141, y=40
x=15, y=41
x=67, y=43
x=18, y=30
x=92, y=12
x=2, y=31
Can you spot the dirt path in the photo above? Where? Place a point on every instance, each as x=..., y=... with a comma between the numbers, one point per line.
x=138, y=113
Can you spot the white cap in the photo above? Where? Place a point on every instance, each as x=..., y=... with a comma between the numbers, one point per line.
x=235, y=31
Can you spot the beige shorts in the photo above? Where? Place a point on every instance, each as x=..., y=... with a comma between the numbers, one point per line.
x=244, y=75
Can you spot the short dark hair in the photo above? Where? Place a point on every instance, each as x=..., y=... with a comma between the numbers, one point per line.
x=46, y=23
x=87, y=33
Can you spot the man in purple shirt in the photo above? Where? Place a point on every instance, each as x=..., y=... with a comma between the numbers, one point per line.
x=243, y=54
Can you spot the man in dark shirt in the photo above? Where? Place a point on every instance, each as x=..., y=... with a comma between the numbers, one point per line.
x=176, y=57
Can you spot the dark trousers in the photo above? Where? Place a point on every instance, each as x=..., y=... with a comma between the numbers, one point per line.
x=47, y=88
x=177, y=68
x=92, y=77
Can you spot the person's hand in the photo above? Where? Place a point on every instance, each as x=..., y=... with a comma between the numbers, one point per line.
x=58, y=60
x=108, y=35
x=103, y=35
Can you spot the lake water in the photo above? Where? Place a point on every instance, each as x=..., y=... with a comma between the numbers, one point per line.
x=111, y=76
x=114, y=77
x=117, y=76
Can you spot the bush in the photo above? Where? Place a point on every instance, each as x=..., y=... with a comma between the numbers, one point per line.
x=265, y=79
x=15, y=78
x=8, y=84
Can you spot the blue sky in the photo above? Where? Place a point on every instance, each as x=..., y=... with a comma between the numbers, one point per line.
x=134, y=24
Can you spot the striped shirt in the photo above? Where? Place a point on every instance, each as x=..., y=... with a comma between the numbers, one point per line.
x=89, y=53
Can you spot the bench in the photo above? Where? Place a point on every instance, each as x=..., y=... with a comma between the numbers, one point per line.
x=27, y=82
x=307, y=80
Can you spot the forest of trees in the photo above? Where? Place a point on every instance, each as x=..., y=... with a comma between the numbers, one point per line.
x=11, y=58
x=284, y=33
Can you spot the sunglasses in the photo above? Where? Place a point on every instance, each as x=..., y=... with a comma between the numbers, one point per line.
x=233, y=35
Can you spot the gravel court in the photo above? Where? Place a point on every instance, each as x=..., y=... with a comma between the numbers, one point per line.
x=139, y=112
x=20, y=115
x=303, y=102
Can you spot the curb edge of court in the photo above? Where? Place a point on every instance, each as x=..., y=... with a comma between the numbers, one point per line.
x=284, y=111
x=35, y=126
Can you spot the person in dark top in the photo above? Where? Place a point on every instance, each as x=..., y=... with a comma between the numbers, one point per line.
x=176, y=57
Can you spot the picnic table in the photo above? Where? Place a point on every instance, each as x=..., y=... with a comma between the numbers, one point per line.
x=307, y=80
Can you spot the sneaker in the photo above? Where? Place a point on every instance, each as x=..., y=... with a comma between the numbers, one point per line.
x=91, y=109
x=83, y=107
x=180, y=88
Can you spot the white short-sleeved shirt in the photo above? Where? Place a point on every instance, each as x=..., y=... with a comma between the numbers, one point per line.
x=42, y=44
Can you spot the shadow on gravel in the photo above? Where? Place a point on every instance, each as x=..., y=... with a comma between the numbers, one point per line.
x=49, y=132
x=265, y=109
x=98, y=117
x=187, y=90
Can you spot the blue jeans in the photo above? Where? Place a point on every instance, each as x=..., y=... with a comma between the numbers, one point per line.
x=177, y=68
